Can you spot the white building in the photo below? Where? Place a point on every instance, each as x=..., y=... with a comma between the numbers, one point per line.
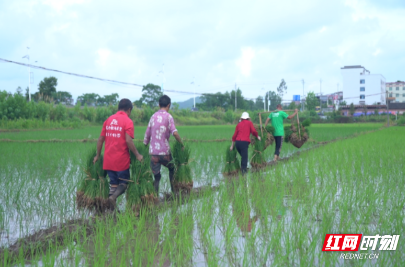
x=397, y=90
x=362, y=88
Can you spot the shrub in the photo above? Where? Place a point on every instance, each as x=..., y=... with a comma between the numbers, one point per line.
x=401, y=121
x=229, y=116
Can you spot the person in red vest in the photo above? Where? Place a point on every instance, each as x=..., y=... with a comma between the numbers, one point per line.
x=117, y=133
x=241, y=138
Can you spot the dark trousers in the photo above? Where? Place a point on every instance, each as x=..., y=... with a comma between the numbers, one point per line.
x=242, y=148
x=117, y=178
x=279, y=144
x=156, y=161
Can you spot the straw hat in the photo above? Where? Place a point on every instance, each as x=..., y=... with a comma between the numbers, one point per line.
x=245, y=116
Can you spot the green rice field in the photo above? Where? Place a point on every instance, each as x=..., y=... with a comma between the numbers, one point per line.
x=347, y=179
x=320, y=132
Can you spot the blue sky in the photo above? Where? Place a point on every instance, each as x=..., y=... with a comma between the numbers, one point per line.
x=254, y=44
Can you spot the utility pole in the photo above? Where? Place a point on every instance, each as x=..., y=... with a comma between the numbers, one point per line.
x=264, y=103
x=235, y=97
x=336, y=101
x=264, y=100
x=29, y=74
x=268, y=101
x=320, y=94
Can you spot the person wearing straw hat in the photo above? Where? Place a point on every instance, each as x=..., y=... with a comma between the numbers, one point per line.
x=277, y=119
x=241, y=138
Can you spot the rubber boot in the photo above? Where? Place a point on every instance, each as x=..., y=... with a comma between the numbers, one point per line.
x=112, y=190
x=118, y=192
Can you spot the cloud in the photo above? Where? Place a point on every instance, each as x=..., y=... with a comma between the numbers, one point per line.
x=60, y=5
x=251, y=42
x=245, y=61
x=103, y=56
x=323, y=29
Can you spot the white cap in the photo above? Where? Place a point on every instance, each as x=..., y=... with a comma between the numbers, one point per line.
x=245, y=116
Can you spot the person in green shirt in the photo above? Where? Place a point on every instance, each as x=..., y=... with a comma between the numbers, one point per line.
x=277, y=119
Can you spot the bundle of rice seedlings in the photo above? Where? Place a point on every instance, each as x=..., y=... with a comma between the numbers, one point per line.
x=258, y=160
x=270, y=135
x=297, y=134
x=268, y=132
x=140, y=191
x=93, y=189
x=232, y=165
x=182, y=175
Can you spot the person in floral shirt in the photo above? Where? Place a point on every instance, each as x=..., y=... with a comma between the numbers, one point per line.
x=160, y=127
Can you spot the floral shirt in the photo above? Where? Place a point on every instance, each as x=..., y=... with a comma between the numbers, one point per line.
x=160, y=127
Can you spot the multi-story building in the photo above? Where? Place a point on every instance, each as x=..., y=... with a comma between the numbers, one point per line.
x=330, y=99
x=360, y=87
x=397, y=90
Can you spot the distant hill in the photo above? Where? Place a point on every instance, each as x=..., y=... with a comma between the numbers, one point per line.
x=189, y=103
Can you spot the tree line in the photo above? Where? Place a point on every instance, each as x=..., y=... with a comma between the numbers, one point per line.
x=47, y=92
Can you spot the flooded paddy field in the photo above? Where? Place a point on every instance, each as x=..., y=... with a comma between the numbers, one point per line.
x=277, y=216
x=320, y=132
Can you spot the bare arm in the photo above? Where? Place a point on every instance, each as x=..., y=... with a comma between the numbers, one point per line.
x=148, y=133
x=131, y=146
x=233, y=143
x=100, y=143
x=267, y=121
x=177, y=136
x=293, y=115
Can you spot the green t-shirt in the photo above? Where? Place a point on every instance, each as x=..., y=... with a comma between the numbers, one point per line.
x=277, y=119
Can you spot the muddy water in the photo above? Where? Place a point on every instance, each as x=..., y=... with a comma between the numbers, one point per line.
x=34, y=204
x=20, y=225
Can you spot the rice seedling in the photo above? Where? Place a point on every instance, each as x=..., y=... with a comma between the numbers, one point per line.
x=297, y=134
x=93, y=190
x=258, y=160
x=183, y=181
x=341, y=187
x=232, y=164
x=268, y=134
x=321, y=132
x=140, y=189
